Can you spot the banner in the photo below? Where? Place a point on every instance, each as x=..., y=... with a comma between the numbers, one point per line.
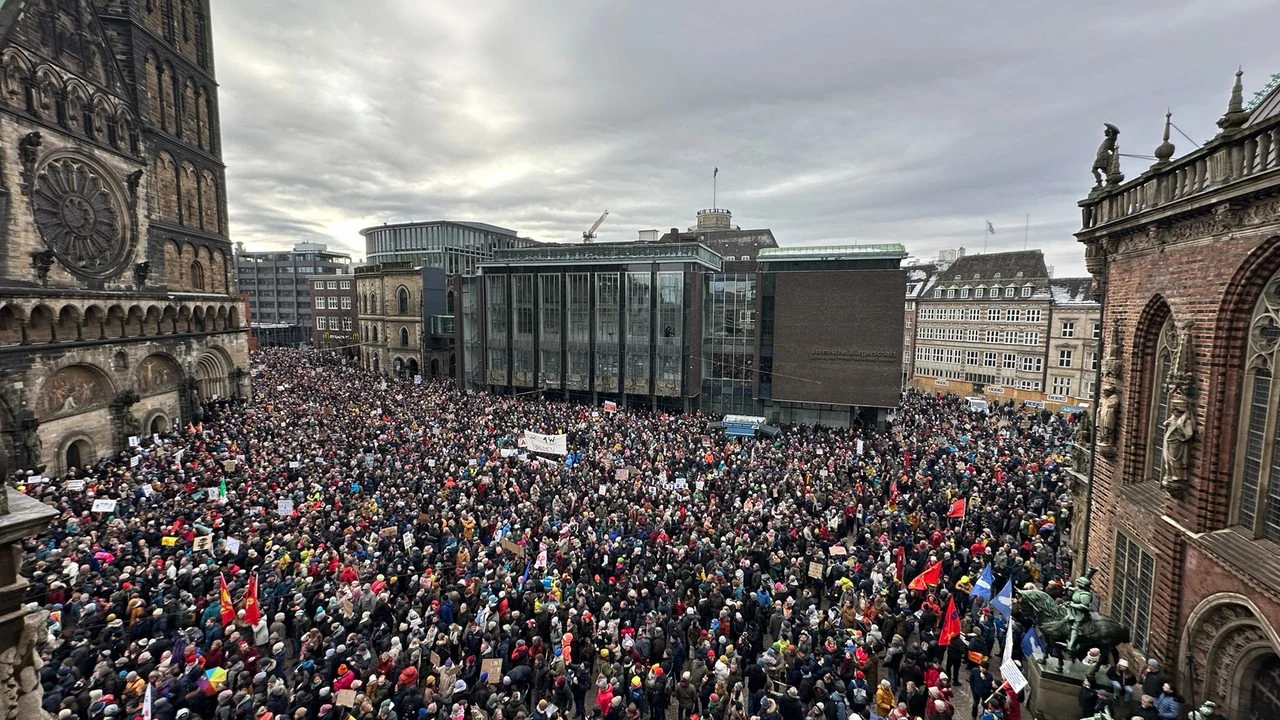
x=610, y=406
x=552, y=444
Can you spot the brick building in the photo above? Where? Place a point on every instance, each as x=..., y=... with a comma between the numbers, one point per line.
x=389, y=315
x=1185, y=484
x=333, y=313
x=118, y=312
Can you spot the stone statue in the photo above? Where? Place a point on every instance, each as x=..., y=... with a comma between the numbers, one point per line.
x=1104, y=163
x=1181, y=375
x=20, y=690
x=1111, y=363
x=1179, y=429
x=1073, y=629
x=28, y=151
x=27, y=444
x=1108, y=409
x=140, y=273
x=42, y=261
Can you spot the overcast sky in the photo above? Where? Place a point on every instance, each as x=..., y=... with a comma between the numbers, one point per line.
x=831, y=122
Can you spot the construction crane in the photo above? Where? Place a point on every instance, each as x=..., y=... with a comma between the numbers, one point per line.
x=590, y=235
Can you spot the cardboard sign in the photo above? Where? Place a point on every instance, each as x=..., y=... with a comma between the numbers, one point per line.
x=284, y=506
x=493, y=666
x=815, y=570
x=233, y=545
x=346, y=698
x=104, y=505
x=838, y=551
x=513, y=548
x=135, y=461
x=389, y=531
x=620, y=474
x=202, y=542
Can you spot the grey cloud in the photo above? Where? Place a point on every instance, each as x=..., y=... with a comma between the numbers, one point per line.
x=830, y=122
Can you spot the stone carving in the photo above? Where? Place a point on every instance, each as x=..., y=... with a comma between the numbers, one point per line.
x=1229, y=216
x=79, y=216
x=1107, y=154
x=1181, y=372
x=1207, y=711
x=20, y=690
x=127, y=421
x=1228, y=655
x=1179, y=430
x=43, y=262
x=1108, y=411
x=1164, y=151
x=1235, y=117
x=140, y=273
x=71, y=390
x=28, y=151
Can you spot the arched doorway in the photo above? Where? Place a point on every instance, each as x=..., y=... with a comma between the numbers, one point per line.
x=413, y=367
x=399, y=367
x=211, y=374
x=1264, y=696
x=435, y=367
x=78, y=454
x=159, y=424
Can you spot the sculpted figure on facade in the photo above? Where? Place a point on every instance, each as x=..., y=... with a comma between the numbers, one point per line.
x=1108, y=415
x=1179, y=430
x=1105, y=160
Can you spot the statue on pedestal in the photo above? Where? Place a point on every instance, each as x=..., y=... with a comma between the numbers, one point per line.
x=1108, y=411
x=1179, y=429
x=1207, y=711
x=1106, y=158
x=1073, y=626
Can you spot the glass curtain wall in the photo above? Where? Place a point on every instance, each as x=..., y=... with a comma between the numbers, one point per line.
x=639, y=323
x=608, y=337
x=522, y=330
x=473, y=347
x=549, y=333
x=670, y=333
x=497, y=311
x=729, y=326
x=578, y=369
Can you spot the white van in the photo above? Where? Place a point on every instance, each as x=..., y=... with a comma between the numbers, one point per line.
x=975, y=403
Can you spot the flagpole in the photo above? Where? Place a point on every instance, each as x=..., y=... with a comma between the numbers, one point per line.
x=714, y=176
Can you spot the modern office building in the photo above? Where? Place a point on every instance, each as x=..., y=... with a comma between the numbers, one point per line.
x=333, y=313
x=455, y=247
x=1185, y=485
x=665, y=325
x=276, y=282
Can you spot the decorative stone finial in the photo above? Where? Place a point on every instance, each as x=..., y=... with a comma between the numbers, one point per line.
x=1236, y=116
x=1164, y=150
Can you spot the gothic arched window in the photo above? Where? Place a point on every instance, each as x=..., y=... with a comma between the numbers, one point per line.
x=402, y=299
x=1257, y=501
x=1158, y=410
x=197, y=276
x=404, y=337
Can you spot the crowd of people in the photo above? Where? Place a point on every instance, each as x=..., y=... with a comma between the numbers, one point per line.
x=351, y=546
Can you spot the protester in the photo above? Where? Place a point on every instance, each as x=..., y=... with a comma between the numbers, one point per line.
x=349, y=545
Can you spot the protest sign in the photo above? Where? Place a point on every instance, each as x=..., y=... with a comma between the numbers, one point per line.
x=76, y=484
x=284, y=506
x=551, y=444
x=345, y=698
x=134, y=441
x=511, y=547
x=815, y=570
x=493, y=667
x=104, y=505
x=233, y=545
x=202, y=542
x=169, y=541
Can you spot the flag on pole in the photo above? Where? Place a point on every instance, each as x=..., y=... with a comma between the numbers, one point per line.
x=951, y=625
x=1032, y=644
x=224, y=599
x=716, y=173
x=252, y=611
x=982, y=588
x=1009, y=669
x=958, y=508
x=146, y=705
x=222, y=492
x=932, y=575
x=991, y=230
x=1003, y=602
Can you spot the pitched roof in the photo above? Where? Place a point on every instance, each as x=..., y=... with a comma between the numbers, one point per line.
x=1072, y=291
x=1266, y=103
x=988, y=265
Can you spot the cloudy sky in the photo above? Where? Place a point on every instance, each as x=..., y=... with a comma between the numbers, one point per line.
x=831, y=121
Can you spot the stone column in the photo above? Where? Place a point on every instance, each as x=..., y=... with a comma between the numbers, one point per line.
x=22, y=631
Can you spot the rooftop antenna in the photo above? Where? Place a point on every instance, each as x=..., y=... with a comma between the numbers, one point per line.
x=714, y=175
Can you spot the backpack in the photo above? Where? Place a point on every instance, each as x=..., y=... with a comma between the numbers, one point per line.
x=859, y=695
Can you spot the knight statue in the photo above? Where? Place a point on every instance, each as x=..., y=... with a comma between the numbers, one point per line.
x=1079, y=607
x=1207, y=711
x=1105, y=160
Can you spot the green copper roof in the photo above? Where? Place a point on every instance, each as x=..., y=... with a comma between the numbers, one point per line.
x=833, y=252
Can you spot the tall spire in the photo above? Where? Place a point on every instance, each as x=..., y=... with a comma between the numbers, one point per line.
x=1164, y=150
x=1236, y=116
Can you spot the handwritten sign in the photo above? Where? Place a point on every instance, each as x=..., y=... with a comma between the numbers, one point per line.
x=493, y=666
x=233, y=545
x=134, y=441
x=346, y=698
x=513, y=548
x=104, y=505
x=169, y=541
x=202, y=542
x=75, y=484
x=284, y=506
x=815, y=570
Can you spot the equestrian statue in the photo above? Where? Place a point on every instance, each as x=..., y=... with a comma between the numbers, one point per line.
x=1073, y=626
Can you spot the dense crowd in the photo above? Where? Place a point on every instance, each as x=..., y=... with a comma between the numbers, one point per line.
x=392, y=551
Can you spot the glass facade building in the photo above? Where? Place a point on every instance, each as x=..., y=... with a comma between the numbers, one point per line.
x=455, y=247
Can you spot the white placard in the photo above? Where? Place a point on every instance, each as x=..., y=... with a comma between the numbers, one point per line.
x=177, y=457
x=135, y=461
x=133, y=441
x=293, y=464
x=104, y=505
x=859, y=446
x=417, y=379
x=507, y=452
x=1012, y=674
x=682, y=484
x=284, y=506
x=552, y=444
x=75, y=484
x=408, y=541
x=233, y=545
x=36, y=480
x=155, y=438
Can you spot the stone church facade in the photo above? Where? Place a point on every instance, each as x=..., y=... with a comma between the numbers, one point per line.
x=118, y=313
x=1185, y=485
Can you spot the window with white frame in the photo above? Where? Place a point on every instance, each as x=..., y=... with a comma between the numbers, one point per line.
x=1010, y=361
x=964, y=292
x=1033, y=385
x=1026, y=291
x=1013, y=315
x=346, y=303
x=993, y=337
x=978, y=292
x=1030, y=338
x=322, y=323
x=333, y=302
x=344, y=284
x=1097, y=331
x=1064, y=357
x=346, y=323
x=995, y=292
x=1033, y=316
x=993, y=314
x=1067, y=329
x=971, y=357
x=937, y=294
x=951, y=292
x=1093, y=360
x=1032, y=363
x=319, y=285
x=974, y=313
x=989, y=359
x=331, y=284
x=319, y=303
x=1061, y=385
x=1008, y=292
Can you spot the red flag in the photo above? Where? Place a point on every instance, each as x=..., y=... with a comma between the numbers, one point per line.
x=951, y=625
x=958, y=508
x=252, y=612
x=224, y=599
x=932, y=575
x=893, y=493
x=899, y=564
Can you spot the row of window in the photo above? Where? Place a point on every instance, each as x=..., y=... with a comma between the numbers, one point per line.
x=331, y=303
x=975, y=358
x=975, y=314
x=1067, y=329
x=993, y=292
x=977, y=377
x=326, y=323
x=991, y=337
x=332, y=285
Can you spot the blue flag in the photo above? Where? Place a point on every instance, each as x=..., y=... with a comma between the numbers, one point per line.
x=982, y=588
x=1003, y=603
x=1032, y=644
